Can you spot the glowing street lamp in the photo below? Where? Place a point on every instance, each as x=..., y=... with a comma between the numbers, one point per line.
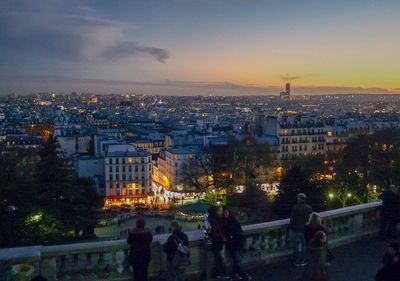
x=349, y=195
x=330, y=195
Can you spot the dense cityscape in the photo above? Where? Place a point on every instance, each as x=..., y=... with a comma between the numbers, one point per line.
x=199, y=140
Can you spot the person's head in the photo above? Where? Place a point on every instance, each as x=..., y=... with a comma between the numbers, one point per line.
x=315, y=219
x=175, y=226
x=226, y=213
x=393, y=248
x=140, y=223
x=301, y=198
x=219, y=211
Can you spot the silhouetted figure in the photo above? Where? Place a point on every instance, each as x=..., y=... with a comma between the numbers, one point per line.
x=313, y=226
x=140, y=239
x=216, y=234
x=317, y=267
x=389, y=213
x=234, y=244
x=174, y=248
x=391, y=264
x=298, y=218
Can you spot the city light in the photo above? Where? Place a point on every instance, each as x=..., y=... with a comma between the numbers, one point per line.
x=330, y=195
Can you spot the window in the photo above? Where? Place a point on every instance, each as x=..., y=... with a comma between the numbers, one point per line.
x=129, y=168
x=117, y=176
x=136, y=168
x=123, y=160
x=111, y=177
x=110, y=169
x=123, y=169
x=110, y=161
x=142, y=168
x=123, y=177
x=117, y=169
x=116, y=160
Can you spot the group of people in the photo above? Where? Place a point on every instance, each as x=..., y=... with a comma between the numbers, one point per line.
x=309, y=240
x=139, y=257
x=308, y=235
x=225, y=231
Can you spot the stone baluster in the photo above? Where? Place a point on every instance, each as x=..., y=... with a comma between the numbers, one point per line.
x=63, y=266
x=254, y=245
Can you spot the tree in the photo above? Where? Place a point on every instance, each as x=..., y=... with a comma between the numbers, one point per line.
x=55, y=179
x=356, y=164
x=293, y=182
x=251, y=159
x=85, y=205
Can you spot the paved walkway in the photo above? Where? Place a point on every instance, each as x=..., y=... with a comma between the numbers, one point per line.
x=358, y=261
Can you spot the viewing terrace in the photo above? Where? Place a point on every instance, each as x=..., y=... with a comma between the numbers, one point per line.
x=351, y=234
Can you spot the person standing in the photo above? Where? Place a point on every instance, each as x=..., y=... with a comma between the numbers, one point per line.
x=216, y=233
x=391, y=264
x=298, y=218
x=313, y=226
x=317, y=267
x=389, y=213
x=140, y=239
x=174, y=243
x=234, y=243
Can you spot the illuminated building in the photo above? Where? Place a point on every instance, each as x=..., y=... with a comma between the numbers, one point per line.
x=127, y=172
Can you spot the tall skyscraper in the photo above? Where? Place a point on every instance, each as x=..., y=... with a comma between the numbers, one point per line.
x=288, y=90
x=286, y=94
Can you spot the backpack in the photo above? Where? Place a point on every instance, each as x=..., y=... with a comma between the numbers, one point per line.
x=181, y=257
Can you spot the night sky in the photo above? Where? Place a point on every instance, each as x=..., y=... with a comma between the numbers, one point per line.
x=200, y=46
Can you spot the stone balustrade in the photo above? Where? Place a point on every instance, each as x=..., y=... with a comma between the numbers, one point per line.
x=265, y=243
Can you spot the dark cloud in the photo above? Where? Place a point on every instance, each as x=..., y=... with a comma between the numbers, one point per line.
x=68, y=35
x=288, y=77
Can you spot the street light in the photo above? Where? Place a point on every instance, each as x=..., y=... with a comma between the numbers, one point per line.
x=330, y=195
x=349, y=195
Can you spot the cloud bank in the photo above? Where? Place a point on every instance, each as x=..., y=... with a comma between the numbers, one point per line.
x=66, y=32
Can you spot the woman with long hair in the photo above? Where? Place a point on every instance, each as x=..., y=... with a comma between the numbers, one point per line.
x=313, y=226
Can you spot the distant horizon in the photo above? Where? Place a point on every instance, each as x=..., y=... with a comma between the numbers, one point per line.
x=25, y=85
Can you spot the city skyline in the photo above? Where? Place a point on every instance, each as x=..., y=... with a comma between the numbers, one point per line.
x=199, y=47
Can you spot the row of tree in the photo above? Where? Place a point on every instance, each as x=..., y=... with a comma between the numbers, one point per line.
x=356, y=174
x=42, y=200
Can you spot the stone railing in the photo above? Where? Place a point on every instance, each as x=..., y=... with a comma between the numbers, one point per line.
x=266, y=243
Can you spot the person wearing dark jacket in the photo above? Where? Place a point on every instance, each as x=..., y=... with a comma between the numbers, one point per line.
x=171, y=247
x=313, y=226
x=216, y=233
x=140, y=239
x=234, y=243
x=317, y=267
x=298, y=218
x=391, y=264
x=389, y=213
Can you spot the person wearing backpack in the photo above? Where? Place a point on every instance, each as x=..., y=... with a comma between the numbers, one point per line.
x=177, y=250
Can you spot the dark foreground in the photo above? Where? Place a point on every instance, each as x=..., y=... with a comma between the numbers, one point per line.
x=358, y=261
